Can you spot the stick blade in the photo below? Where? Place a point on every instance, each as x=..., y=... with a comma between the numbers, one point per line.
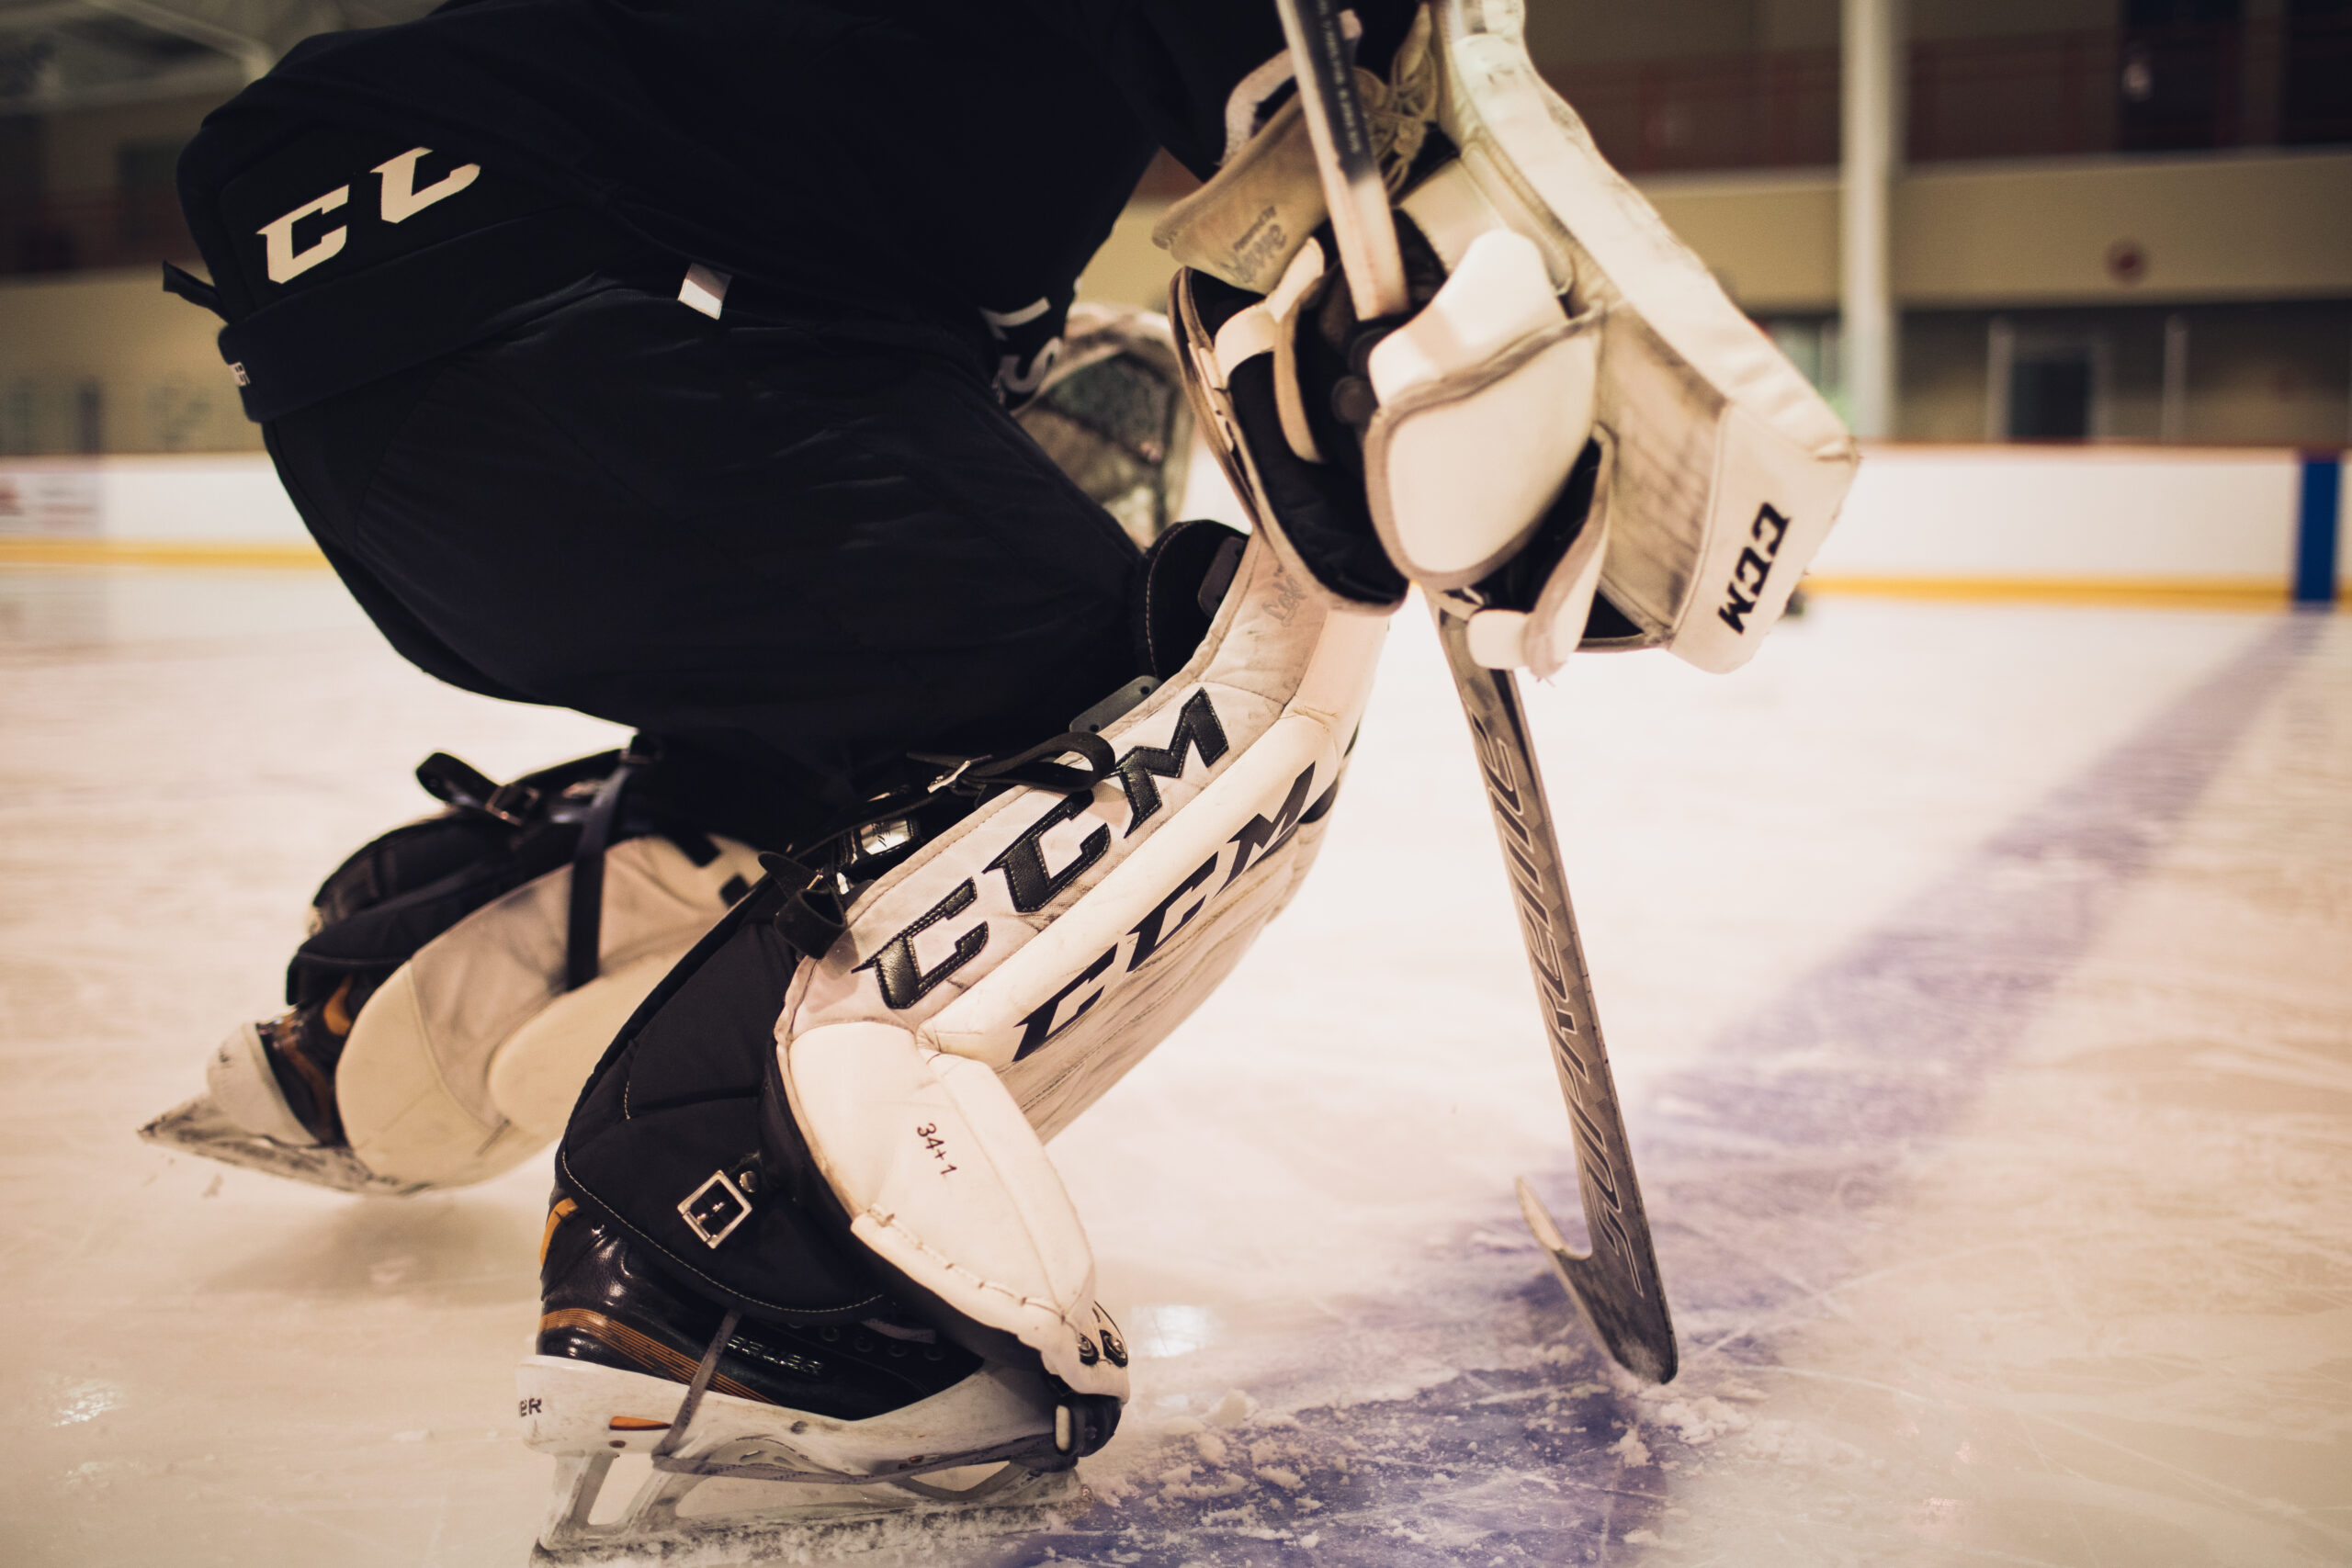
x=1634, y=1329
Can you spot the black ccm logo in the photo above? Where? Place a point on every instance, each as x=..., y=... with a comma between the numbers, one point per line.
x=1522, y=855
x=1736, y=608
x=1030, y=884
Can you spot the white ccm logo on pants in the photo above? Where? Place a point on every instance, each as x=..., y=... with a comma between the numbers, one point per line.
x=401, y=200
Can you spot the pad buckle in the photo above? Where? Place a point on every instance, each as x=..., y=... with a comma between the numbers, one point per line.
x=724, y=1209
x=512, y=802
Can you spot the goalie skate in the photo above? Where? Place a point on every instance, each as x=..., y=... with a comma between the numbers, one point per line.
x=826, y=1435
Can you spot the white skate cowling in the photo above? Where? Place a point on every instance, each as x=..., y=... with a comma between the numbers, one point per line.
x=243, y=1085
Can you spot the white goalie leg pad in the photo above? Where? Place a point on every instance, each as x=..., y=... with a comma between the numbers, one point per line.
x=1726, y=467
x=1056, y=939
x=946, y=1181
x=1004, y=977
x=470, y=1056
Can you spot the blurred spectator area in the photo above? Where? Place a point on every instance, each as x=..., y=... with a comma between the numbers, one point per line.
x=2111, y=219
x=132, y=225
x=1667, y=86
x=2156, y=76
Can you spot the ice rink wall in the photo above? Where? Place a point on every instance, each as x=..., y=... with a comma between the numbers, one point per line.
x=223, y=509
x=2199, y=524
x=2210, y=525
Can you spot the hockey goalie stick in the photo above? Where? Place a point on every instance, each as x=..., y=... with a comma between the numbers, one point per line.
x=1323, y=64
x=1616, y=1284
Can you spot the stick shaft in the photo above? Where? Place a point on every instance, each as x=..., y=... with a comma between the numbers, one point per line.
x=1617, y=1283
x=1352, y=188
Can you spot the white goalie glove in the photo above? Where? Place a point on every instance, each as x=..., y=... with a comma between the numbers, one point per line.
x=1566, y=325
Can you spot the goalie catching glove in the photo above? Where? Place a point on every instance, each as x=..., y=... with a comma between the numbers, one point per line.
x=1574, y=428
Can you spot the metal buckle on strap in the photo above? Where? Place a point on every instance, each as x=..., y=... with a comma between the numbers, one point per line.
x=512, y=802
x=714, y=1214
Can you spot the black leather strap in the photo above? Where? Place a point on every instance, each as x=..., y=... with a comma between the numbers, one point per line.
x=195, y=290
x=583, y=929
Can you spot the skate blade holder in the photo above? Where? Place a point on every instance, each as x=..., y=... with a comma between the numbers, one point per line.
x=651, y=1525
x=764, y=1459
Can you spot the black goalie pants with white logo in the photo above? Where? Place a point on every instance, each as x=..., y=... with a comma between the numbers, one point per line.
x=794, y=550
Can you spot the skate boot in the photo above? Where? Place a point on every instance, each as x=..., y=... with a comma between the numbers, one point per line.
x=277, y=1077
x=875, y=1414
x=270, y=1104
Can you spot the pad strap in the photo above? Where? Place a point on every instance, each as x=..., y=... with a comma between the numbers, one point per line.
x=581, y=934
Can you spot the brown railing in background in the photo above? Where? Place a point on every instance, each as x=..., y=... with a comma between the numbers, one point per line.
x=2172, y=88
x=2178, y=87
x=82, y=234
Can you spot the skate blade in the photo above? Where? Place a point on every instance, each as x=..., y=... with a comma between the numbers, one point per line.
x=758, y=1521
x=200, y=1127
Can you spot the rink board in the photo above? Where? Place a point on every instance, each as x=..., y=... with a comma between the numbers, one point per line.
x=2213, y=526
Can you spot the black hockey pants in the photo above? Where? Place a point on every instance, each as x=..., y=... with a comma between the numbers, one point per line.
x=794, y=549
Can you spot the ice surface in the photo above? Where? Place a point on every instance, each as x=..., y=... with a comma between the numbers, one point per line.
x=1979, y=981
